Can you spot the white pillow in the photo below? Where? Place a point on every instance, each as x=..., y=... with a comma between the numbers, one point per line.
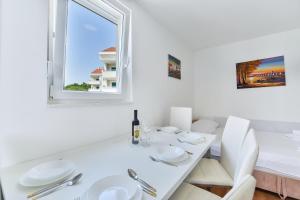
x=205, y=126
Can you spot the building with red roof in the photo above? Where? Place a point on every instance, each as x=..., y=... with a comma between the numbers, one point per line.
x=110, y=49
x=104, y=79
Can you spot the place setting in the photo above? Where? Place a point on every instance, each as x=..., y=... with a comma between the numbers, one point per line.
x=51, y=176
x=170, y=129
x=170, y=155
x=191, y=138
x=119, y=187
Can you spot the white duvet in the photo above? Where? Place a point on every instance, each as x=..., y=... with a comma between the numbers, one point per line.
x=277, y=152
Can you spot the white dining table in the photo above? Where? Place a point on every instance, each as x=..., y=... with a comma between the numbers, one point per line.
x=113, y=157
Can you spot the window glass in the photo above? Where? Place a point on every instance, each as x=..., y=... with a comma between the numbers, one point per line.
x=90, y=54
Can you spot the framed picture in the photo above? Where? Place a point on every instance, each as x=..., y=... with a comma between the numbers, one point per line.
x=266, y=72
x=174, y=67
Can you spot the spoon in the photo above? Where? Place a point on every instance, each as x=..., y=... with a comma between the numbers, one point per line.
x=134, y=175
x=48, y=190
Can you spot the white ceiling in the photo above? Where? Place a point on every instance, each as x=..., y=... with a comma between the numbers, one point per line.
x=206, y=23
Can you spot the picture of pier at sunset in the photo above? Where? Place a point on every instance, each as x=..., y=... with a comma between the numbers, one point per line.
x=267, y=72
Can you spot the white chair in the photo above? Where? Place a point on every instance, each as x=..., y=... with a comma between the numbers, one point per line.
x=248, y=156
x=244, y=190
x=213, y=172
x=181, y=118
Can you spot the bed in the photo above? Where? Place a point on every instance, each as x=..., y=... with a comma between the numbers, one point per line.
x=278, y=165
x=272, y=155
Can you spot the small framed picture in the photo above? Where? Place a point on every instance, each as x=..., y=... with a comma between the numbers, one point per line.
x=174, y=67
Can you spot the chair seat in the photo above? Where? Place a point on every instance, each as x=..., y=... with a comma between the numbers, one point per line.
x=189, y=192
x=210, y=172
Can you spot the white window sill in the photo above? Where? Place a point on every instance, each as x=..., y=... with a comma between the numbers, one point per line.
x=87, y=103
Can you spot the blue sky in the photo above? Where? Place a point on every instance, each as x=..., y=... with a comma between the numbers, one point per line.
x=87, y=35
x=271, y=62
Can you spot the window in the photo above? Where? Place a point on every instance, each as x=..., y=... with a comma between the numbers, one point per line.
x=89, y=50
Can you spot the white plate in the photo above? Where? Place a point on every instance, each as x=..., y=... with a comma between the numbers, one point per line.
x=47, y=173
x=116, y=187
x=181, y=159
x=193, y=138
x=169, y=153
x=138, y=195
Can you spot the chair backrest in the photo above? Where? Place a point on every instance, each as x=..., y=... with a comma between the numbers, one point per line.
x=248, y=157
x=232, y=139
x=242, y=191
x=181, y=118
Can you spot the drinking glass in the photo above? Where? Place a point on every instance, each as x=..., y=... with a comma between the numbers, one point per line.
x=146, y=134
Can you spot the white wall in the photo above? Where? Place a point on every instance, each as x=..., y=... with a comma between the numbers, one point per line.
x=215, y=92
x=29, y=128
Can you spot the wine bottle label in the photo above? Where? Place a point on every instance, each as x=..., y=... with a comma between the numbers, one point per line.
x=136, y=132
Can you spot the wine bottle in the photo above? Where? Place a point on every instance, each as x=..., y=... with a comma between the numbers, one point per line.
x=136, y=132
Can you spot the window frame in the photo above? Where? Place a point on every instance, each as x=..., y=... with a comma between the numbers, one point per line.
x=117, y=13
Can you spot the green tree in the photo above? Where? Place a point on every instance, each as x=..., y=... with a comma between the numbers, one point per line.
x=243, y=69
x=78, y=87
